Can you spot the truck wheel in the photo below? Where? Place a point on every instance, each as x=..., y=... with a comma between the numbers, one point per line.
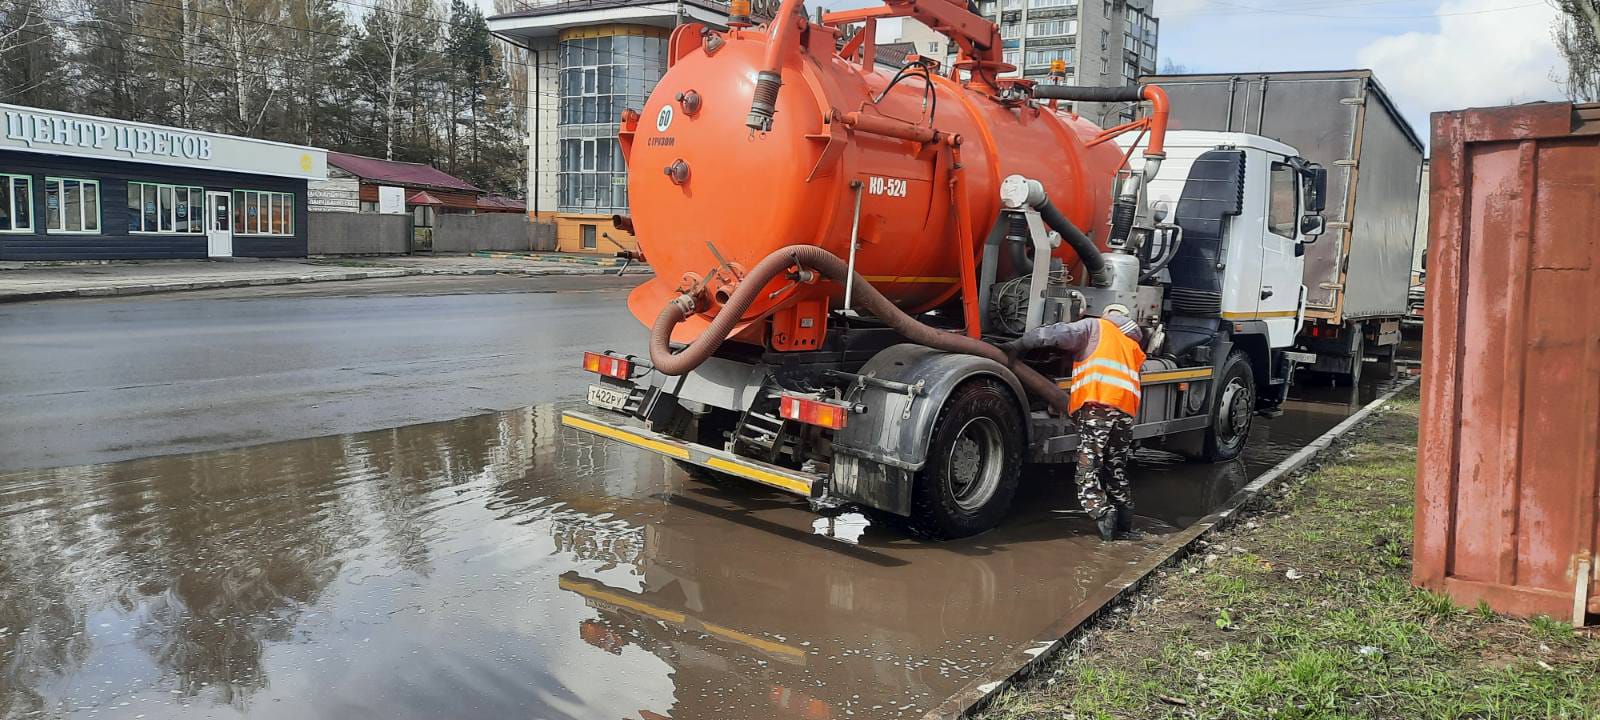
x=1233, y=410
x=974, y=461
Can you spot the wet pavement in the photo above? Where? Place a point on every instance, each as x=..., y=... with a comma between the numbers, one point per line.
x=500, y=565
x=101, y=380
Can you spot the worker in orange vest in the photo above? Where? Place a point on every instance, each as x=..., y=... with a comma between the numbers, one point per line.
x=1106, y=357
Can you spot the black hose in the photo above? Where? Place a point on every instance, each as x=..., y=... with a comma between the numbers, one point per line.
x=1081, y=244
x=1167, y=254
x=927, y=87
x=1017, y=238
x=1084, y=93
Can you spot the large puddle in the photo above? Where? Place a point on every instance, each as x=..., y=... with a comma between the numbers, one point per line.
x=501, y=566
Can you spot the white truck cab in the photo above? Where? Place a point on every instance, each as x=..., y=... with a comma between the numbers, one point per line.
x=1248, y=206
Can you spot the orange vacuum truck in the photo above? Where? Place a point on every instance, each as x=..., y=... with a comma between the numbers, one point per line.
x=837, y=244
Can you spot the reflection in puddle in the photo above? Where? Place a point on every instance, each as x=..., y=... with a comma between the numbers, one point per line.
x=846, y=527
x=498, y=565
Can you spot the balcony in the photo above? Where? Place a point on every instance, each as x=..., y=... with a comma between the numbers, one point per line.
x=1051, y=40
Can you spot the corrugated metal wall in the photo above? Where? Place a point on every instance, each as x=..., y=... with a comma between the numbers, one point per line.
x=1509, y=460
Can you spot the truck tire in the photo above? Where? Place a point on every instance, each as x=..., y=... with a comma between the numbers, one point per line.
x=1232, y=411
x=974, y=461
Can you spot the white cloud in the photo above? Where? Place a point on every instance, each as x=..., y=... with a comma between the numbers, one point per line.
x=1176, y=9
x=1475, y=58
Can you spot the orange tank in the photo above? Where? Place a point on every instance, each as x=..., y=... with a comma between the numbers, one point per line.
x=698, y=177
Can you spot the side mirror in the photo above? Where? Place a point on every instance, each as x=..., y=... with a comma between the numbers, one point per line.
x=1316, y=178
x=1311, y=226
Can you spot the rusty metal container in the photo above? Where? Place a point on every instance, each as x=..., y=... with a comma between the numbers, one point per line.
x=1508, y=466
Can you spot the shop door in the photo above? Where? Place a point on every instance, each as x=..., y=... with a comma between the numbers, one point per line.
x=219, y=224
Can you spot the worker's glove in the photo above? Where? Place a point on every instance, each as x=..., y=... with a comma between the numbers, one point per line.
x=1012, y=349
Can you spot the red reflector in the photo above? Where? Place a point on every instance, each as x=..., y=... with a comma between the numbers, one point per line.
x=607, y=365
x=813, y=412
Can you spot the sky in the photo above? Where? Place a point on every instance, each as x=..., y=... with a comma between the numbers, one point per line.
x=1430, y=55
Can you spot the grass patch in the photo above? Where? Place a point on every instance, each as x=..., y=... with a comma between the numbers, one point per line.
x=1316, y=618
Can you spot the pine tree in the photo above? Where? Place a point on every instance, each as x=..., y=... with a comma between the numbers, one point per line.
x=109, y=68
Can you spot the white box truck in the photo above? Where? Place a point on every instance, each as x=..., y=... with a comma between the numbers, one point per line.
x=1357, y=275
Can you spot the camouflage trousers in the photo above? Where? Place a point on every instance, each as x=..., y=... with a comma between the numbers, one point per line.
x=1105, y=440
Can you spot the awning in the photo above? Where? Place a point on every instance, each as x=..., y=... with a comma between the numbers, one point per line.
x=423, y=197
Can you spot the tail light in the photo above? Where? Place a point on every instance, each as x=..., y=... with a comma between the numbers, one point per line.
x=607, y=365
x=813, y=412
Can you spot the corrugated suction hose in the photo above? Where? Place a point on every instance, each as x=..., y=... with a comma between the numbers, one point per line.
x=867, y=298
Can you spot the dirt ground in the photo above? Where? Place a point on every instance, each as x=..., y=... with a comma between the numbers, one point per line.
x=1304, y=609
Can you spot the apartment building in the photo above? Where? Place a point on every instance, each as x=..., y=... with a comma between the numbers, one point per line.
x=1104, y=43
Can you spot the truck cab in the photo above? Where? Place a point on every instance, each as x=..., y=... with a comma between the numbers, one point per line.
x=1248, y=207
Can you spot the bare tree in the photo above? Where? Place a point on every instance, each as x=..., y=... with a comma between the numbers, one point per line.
x=397, y=45
x=246, y=35
x=1577, y=35
x=31, y=63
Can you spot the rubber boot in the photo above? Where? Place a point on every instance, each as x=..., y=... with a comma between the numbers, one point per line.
x=1124, y=519
x=1107, y=524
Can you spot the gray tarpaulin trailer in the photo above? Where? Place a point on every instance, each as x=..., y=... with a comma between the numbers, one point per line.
x=1358, y=274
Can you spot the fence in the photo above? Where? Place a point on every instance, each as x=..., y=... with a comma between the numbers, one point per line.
x=512, y=232
x=348, y=233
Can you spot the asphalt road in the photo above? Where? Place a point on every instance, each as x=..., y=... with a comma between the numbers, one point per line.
x=491, y=564
x=90, y=381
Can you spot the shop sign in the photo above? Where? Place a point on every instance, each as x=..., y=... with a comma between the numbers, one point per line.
x=35, y=130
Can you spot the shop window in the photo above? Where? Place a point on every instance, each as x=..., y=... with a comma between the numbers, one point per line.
x=166, y=209
x=257, y=212
x=16, y=204
x=72, y=206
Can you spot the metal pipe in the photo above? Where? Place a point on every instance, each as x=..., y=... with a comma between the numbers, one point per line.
x=1160, y=108
x=855, y=235
x=889, y=127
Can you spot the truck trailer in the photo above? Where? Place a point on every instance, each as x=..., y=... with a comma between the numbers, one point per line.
x=1357, y=276
x=839, y=246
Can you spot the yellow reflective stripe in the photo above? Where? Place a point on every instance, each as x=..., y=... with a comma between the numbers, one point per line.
x=759, y=475
x=1260, y=315
x=627, y=437
x=1111, y=380
x=1104, y=363
x=1170, y=375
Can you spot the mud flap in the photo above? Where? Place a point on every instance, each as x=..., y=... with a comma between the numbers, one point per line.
x=872, y=484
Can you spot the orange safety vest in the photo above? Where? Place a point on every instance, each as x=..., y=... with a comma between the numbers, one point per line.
x=1110, y=375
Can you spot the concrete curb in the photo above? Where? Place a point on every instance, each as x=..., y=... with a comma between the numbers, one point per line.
x=599, y=260
x=160, y=287
x=374, y=274
x=1025, y=658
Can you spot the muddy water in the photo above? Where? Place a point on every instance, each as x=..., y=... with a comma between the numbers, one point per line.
x=501, y=566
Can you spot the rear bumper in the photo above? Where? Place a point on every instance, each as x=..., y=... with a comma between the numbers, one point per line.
x=805, y=485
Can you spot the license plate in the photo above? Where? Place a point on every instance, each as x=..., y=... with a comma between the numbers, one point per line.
x=607, y=397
